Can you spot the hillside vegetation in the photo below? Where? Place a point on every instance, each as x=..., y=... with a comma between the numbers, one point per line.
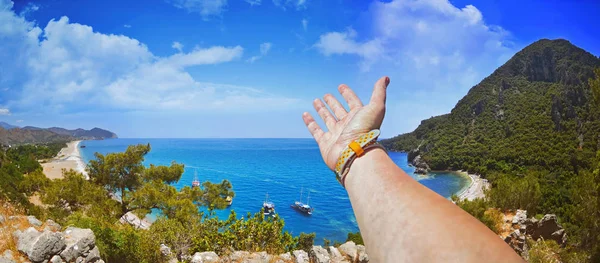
x=533, y=129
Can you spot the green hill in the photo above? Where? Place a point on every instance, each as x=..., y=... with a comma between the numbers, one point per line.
x=532, y=111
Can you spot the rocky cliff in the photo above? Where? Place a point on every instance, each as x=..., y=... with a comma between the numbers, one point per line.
x=38, y=242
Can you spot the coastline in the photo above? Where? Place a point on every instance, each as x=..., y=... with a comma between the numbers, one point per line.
x=475, y=188
x=68, y=158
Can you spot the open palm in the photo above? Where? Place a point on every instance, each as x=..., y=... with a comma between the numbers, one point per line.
x=345, y=126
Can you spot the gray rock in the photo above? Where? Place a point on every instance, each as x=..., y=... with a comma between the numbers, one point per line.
x=14, y=217
x=301, y=256
x=56, y=259
x=520, y=217
x=34, y=221
x=362, y=254
x=559, y=236
x=165, y=250
x=258, y=257
x=52, y=226
x=349, y=250
x=239, y=255
x=7, y=254
x=7, y=260
x=286, y=257
x=334, y=252
x=546, y=227
x=102, y=261
x=7, y=257
x=39, y=246
x=93, y=256
x=78, y=243
x=205, y=257
x=319, y=255
x=2, y=219
x=132, y=219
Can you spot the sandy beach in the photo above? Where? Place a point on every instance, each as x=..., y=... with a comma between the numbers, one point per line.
x=475, y=188
x=68, y=158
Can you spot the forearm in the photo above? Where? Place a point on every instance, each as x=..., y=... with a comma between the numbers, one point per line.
x=401, y=220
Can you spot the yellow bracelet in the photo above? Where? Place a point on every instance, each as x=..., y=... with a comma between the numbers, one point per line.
x=355, y=149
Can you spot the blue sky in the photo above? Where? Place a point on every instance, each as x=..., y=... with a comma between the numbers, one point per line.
x=249, y=68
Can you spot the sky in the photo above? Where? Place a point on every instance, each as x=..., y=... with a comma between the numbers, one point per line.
x=250, y=68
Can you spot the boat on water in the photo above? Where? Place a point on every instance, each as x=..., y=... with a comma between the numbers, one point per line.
x=302, y=207
x=229, y=200
x=268, y=207
x=196, y=182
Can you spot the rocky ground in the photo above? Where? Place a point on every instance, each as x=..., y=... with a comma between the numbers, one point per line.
x=43, y=242
x=348, y=252
x=522, y=229
x=27, y=239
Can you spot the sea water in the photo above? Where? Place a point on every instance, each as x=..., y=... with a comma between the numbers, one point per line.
x=281, y=168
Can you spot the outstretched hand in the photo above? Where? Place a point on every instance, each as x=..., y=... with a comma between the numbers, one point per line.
x=346, y=126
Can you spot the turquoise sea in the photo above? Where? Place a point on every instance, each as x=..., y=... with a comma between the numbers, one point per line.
x=279, y=167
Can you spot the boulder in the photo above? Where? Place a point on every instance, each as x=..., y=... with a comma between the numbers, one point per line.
x=93, y=256
x=238, y=255
x=2, y=219
x=548, y=228
x=34, y=221
x=205, y=257
x=39, y=246
x=520, y=217
x=258, y=257
x=362, y=254
x=285, y=257
x=349, y=251
x=165, y=250
x=56, y=259
x=335, y=254
x=78, y=243
x=52, y=226
x=301, y=256
x=319, y=255
x=132, y=219
x=7, y=257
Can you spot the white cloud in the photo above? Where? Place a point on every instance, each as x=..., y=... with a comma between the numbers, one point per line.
x=127, y=26
x=178, y=46
x=264, y=50
x=4, y=111
x=420, y=34
x=67, y=67
x=19, y=121
x=206, y=8
x=253, y=2
x=29, y=8
x=339, y=43
x=304, y=24
x=284, y=4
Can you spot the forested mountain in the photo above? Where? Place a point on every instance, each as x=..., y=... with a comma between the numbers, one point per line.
x=533, y=129
x=10, y=134
x=532, y=111
x=23, y=136
x=95, y=133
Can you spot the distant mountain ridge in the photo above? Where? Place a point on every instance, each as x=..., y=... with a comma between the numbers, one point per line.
x=11, y=134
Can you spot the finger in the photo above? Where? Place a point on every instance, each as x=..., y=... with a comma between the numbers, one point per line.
x=350, y=97
x=324, y=113
x=312, y=126
x=335, y=106
x=379, y=91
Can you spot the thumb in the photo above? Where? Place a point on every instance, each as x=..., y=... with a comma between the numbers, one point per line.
x=379, y=91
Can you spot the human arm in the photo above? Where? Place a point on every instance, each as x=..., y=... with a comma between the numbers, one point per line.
x=400, y=219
